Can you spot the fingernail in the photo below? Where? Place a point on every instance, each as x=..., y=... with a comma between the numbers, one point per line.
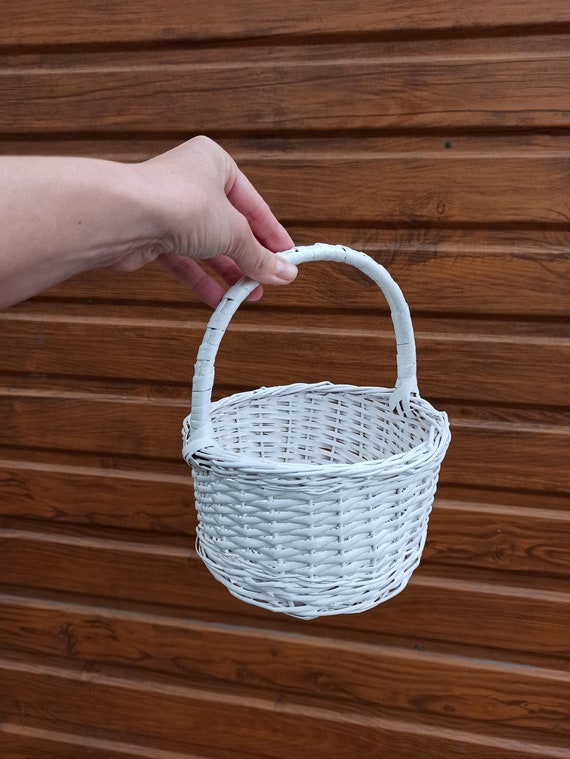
x=285, y=271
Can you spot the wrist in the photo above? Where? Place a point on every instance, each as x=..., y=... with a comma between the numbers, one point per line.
x=125, y=223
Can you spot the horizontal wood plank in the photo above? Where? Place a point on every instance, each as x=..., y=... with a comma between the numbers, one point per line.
x=458, y=364
x=132, y=148
x=246, y=723
x=64, y=22
x=471, y=612
x=396, y=190
x=487, y=614
x=294, y=91
x=97, y=497
x=465, y=271
x=481, y=453
x=36, y=739
x=330, y=184
x=414, y=49
x=462, y=533
x=341, y=672
x=479, y=456
x=499, y=537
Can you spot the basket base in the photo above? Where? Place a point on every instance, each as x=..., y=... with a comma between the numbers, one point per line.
x=310, y=600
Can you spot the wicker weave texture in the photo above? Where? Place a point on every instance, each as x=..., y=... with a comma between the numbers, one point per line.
x=314, y=499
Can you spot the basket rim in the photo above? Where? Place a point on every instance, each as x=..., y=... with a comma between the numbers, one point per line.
x=427, y=453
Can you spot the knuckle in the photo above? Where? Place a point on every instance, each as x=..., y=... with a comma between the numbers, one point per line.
x=201, y=141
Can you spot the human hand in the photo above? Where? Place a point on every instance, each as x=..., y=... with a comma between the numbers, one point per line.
x=61, y=216
x=209, y=211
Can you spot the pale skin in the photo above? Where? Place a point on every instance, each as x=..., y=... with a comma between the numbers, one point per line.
x=62, y=216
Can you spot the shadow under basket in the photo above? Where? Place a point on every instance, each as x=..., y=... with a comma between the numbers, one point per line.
x=314, y=499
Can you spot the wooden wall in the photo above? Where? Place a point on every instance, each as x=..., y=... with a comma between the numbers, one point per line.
x=433, y=136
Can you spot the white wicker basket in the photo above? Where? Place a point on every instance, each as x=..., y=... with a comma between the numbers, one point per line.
x=313, y=499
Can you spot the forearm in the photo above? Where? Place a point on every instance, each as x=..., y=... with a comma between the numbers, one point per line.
x=62, y=216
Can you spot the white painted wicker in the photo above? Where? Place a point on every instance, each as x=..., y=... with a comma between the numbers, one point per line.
x=313, y=499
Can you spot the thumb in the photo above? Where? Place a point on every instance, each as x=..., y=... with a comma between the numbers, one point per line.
x=258, y=262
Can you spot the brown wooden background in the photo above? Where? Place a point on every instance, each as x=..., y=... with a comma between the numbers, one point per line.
x=435, y=137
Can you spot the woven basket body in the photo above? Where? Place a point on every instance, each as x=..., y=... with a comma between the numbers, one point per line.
x=314, y=499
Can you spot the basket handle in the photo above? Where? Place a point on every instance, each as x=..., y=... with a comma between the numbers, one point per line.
x=406, y=384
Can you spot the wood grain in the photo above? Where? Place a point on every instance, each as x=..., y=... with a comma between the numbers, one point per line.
x=499, y=536
x=462, y=533
x=34, y=23
x=356, y=675
x=492, y=613
x=90, y=496
x=249, y=724
x=482, y=450
x=458, y=271
x=451, y=365
x=39, y=741
x=283, y=96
